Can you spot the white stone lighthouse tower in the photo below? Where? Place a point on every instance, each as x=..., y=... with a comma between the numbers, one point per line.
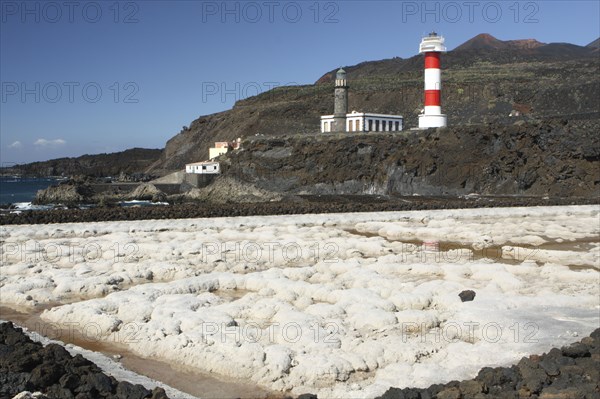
x=432, y=46
x=340, y=108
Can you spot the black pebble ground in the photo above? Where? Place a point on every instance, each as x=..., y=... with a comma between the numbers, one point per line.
x=315, y=204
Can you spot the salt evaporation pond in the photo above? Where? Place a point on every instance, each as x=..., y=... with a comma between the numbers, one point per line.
x=341, y=305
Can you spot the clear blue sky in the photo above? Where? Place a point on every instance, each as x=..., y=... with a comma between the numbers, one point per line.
x=88, y=77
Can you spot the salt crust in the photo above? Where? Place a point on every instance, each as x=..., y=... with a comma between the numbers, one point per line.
x=342, y=305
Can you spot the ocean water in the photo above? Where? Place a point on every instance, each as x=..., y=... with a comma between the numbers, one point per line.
x=22, y=189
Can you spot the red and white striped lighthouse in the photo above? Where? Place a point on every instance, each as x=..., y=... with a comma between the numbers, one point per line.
x=432, y=46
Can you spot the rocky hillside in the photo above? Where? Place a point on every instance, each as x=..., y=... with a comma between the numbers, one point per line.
x=595, y=45
x=556, y=158
x=484, y=79
x=130, y=161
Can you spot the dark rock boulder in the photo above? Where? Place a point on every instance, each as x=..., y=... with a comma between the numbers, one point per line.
x=159, y=393
x=576, y=350
x=127, y=390
x=46, y=374
x=467, y=295
x=533, y=377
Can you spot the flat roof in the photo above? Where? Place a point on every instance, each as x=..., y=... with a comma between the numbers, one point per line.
x=201, y=163
x=355, y=114
x=375, y=115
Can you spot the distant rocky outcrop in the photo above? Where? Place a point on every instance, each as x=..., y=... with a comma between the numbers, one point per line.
x=70, y=192
x=229, y=190
x=147, y=192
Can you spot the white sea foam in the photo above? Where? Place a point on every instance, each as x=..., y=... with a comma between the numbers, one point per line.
x=28, y=206
x=342, y=305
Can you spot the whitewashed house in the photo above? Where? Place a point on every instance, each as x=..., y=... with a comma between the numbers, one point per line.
x=203, y=168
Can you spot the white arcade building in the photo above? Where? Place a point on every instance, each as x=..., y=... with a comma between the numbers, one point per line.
x=365, y=122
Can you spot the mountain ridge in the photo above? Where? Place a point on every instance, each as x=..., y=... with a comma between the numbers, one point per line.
x=485, y=46
x=131, y=161
x=489, y=42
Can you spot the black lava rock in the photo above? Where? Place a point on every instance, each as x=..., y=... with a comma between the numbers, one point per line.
x=46, y=374
x=126, y=390
x=576, y=350
x=29, y=366
x=467, y=295
x=572, y=372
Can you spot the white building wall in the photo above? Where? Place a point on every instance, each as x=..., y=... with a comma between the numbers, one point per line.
x=203, y=168
x=326, y=123
x=215, y=152
x=355, y=124
x=359, y=122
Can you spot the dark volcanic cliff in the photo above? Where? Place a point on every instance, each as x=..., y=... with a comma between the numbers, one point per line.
x=553, y=158
x=484, y=80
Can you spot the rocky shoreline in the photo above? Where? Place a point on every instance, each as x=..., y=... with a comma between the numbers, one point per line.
x=28, y=366
x=297, y=205
x=572, y=372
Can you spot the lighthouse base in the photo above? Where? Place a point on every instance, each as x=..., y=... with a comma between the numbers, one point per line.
x=427, y=121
